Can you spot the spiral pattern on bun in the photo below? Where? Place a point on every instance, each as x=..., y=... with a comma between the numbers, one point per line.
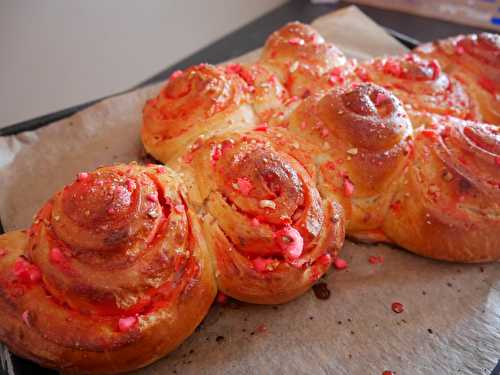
x=448, y=205
x=362, y=138
x=421, y=85
x=299, y=56
x=475, y=61
x=114, y=273
x=194, y=102
x=271, y=232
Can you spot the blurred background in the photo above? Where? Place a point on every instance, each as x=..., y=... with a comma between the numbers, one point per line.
x=57, y=54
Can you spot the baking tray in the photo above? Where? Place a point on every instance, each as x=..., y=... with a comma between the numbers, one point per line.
x=235, y=44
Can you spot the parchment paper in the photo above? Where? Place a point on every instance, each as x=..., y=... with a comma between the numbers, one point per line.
x=451, y=318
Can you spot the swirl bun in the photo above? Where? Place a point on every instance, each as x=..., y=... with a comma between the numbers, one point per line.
x=448, y=206
x=474, y=60
x=200, y=100
x=267, y=94
x=121, y=273
x=421, y=85
x=270, y=230
x=362, y=137
x=299, y=56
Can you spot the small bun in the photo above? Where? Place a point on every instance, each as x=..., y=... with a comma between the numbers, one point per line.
x=271, y=232
x=200, y=100
x=299, y=56
x=474, y=60
x=448, y=205
x=421, y=85
x=113, y=274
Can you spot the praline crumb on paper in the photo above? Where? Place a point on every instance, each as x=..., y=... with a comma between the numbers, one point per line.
x=397, y=307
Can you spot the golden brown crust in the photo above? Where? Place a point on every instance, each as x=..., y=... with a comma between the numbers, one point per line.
x=198, y=101
x=300, y=57
x=421, y=85
x=206, y=100
x=271, y=232
x=113, y=275
x=448, y=205
x=362, y=139
x=474, y=60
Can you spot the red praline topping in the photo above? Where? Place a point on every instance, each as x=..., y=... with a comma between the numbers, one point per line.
x=334, y=79
x=340, y=263
x=261, y=328
x=131, y=185
x=376, y=259
x=244, y=185
x=261, y=264
x=26, y=317
x=362, y=74
x=325, y=259
x=436, y=69
x=82, y=176
x=396, y=206
x=262, y=127
x=176, y=74
x=397, y=307
x=380, y=98
x=330, y=165
x=216, y=153
x=233, y=68
x=56, y=255
x=337, y=71
x=126, y=324
x=429, y=134
x=296, y=41
x=242, y=72
x=188, y=158
x=348, y=187
x=152, y=197
x=392, y=67
x=25, y=271
x=290, y=242
x=487, y=84
x=247, y=77
x=291, y=100
x=221, y=298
